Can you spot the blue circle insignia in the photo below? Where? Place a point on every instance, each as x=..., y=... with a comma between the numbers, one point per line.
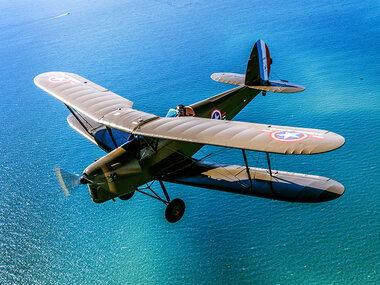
x=288, y=136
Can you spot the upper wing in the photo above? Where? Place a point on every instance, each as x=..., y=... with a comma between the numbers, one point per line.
x=105, y=107
x=90, y=99
x=250, y=136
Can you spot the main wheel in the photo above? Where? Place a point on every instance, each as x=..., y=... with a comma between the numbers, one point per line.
x=175, y=210
x=126, y=196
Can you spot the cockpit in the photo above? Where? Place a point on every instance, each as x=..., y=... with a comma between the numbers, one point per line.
x=180, y=111
x=109, y=138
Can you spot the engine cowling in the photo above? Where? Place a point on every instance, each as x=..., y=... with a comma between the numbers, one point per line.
x=117, y=173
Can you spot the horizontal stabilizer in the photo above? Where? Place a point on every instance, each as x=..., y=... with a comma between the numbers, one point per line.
x=230, y=78
x=277, y=86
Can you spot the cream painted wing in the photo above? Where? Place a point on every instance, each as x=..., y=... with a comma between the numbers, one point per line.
x=107, y=108
x=250, y=136
x=90, y=99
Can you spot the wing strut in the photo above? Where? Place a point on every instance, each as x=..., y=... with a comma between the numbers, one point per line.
x=249, y=174
x=270, y=168
x=111, y=135
x=76, y=117
x=270, y=172
x=247, y=168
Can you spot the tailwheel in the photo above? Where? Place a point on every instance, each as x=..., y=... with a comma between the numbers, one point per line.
x=126, y=196
x=175, y=210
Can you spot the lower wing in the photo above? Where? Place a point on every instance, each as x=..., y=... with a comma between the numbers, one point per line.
x=285, y=186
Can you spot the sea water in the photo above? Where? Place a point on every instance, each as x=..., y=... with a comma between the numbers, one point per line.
x=159, y=54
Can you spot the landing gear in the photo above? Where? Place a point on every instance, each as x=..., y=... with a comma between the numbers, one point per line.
x=126, y=196
x=174, y=209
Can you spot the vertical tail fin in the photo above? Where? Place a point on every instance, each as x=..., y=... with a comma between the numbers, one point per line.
x=257, y=74
x=258, y=67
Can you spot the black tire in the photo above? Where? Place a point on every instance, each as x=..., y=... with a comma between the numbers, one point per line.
x=175, y=210
x=127, y=196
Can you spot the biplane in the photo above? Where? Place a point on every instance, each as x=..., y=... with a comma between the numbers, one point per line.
x=143, y=148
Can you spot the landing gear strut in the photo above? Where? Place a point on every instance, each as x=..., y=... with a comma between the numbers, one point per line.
x=174, y=209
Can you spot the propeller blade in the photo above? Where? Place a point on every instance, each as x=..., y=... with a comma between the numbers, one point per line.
x=68, y=181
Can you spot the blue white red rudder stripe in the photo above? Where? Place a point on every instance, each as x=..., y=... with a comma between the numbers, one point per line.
x=258, y=67
x=264, y=59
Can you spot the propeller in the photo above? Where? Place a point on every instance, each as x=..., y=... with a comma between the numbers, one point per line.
x=70, y=181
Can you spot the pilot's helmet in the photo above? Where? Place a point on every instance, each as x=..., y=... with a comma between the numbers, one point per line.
x=180, y=109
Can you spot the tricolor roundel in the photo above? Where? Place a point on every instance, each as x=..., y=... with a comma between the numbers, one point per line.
x=216, y=114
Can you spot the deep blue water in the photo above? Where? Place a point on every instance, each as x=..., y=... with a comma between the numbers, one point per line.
x=159, y=54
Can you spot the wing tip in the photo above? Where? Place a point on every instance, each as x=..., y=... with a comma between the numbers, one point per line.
x=47, y=75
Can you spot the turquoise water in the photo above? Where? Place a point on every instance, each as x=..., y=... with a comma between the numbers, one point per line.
x=159, y=54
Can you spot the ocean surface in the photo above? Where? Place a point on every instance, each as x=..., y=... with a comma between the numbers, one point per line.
x=159, y=54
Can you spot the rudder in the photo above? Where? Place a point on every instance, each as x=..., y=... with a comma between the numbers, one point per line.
x=258, y=67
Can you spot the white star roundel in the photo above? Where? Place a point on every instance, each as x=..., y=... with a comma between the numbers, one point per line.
x=288, y=136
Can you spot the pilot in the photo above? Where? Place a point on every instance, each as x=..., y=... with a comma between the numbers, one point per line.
x=181, y=111
x=184, y=111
